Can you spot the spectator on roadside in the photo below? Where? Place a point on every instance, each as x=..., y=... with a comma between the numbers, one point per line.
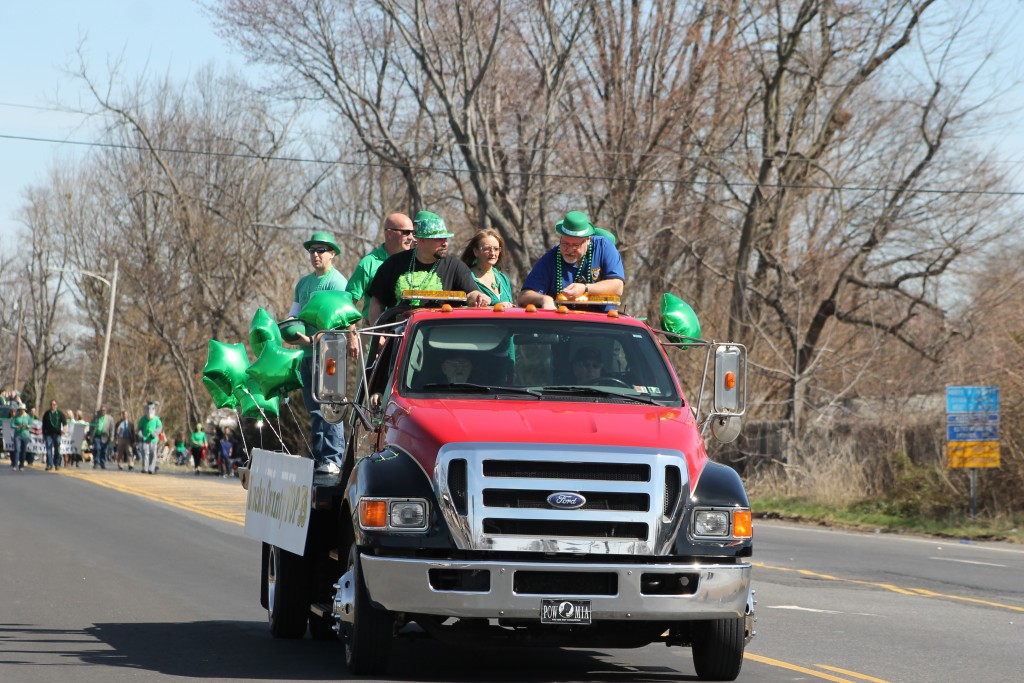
x=102, y=430
x=398, y=236
x=180, y=454
x=198, y=442
x=125, y=433
x=149, y=430
x=54, y=425
x=21, y=425
x=227, y=454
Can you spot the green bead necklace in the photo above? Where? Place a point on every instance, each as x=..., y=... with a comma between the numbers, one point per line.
x=583, y=272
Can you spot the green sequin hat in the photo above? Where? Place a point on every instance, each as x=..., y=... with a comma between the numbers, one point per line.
x=575, y=224
x=324, y=238
x=430, y=226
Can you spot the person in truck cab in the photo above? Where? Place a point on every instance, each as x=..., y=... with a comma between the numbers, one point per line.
x=427, y=266
x=456, y=369
x=582, y=264
x=586, y=365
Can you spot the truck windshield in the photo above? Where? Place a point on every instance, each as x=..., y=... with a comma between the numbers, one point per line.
x=558, y=359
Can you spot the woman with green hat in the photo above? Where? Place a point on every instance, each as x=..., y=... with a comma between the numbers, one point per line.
x=582, y=264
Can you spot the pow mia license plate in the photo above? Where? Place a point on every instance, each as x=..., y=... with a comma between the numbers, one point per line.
x=565, y=612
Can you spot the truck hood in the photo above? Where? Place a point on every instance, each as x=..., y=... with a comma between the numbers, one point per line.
x=629, y=425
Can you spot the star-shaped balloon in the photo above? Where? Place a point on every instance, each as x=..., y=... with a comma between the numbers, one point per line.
x=253, y=403
x=330, y=310
x=677, y=317
x=276, y=371
x=224, y=372
x=263, y=330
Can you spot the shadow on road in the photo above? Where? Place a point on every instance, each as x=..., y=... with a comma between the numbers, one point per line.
x=245, y=650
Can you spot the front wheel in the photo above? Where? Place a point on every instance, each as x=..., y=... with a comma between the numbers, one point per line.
x=287, y=594
x=367, y=636
x=718, y=649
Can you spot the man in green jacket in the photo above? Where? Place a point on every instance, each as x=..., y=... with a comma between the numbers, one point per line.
x=102, y=432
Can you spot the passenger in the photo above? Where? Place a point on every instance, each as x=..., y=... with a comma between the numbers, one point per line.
x=482, y=255
x=581, y=264
x=586, y=365
x=428, y=266
x=398, y=237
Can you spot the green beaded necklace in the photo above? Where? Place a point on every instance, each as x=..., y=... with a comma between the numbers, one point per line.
x=583, y=272
x=426, y=278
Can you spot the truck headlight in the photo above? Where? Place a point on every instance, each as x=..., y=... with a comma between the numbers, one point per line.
x=711, y=523
x=393, y=514
x=409, y=514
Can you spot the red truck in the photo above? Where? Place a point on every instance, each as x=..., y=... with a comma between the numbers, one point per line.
x=519, y=476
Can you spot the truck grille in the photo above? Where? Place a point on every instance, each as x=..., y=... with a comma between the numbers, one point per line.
x=495, y=497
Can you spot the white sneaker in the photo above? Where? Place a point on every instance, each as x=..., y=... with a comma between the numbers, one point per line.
x=327, y=467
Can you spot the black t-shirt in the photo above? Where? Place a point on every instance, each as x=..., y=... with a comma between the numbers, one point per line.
x=393, y=277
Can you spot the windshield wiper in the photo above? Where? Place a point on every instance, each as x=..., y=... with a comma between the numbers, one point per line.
x=596, y=391
x=471, y=387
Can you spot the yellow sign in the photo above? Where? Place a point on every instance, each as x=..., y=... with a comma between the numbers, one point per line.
x=972, y=453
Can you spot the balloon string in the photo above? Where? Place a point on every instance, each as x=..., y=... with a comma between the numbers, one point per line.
x=309, y=449
x=241, y=433
x=265, y=419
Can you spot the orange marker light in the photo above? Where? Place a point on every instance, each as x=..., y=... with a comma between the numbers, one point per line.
x=373, y=514
x=613, y=313
x=498, y=308
x=446, y=308
x=730, y=380
x=531, y=308
x=742, y=527
x=331, y=366
x=563, y=309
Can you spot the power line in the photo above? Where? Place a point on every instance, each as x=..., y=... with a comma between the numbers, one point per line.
x=525, y=174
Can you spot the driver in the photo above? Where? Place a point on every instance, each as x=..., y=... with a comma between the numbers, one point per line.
x=456, y=369
x=586, y=365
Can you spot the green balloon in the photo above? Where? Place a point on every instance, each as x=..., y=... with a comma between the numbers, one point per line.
x=263, y=330
x=289, y=328
x=276, y=371
x=678, y=318
x=224, y=371
x=330, y=310
x=254, y=404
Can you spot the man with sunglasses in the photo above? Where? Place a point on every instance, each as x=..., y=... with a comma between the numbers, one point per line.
x=583, y=263
x=328, y=439
x=398, y=237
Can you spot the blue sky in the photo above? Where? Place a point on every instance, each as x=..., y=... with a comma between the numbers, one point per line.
x=38, y=39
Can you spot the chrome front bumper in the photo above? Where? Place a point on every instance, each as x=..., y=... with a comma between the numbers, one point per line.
x=403, y=585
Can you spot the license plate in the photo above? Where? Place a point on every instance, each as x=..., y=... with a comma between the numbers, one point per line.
x=565, y=612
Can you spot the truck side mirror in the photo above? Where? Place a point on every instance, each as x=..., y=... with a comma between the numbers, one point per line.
x=330, y=367
x=730, y=392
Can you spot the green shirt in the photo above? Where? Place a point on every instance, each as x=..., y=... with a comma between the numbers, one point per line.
x=199, y=439
x=103, y=428
x=22, y=425
x=149, y=428
x=331, y=281
x=504, y=293
x=363, y=275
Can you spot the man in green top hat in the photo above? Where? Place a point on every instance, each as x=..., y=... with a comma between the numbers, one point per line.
x=328, y=439
x=427, y=266
x=583, y=263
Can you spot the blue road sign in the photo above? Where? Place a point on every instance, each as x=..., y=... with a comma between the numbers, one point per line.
x=972, y=418
x=972, y=399
x=981, y=432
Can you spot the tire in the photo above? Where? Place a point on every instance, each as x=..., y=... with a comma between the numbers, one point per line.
x=718, y=649
x=367, y=639
x=287, y=594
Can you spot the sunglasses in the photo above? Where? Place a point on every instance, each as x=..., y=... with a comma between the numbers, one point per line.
x=403, y=232
x=319, y=250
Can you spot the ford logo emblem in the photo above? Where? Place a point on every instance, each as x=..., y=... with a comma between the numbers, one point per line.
x=566, y=501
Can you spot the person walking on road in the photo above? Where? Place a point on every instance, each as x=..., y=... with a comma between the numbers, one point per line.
x=227, y=454
x=21, y=424
x=198, y=443
x=125, y=432
x=54, y=423
x=150, y=429
x=102, y=433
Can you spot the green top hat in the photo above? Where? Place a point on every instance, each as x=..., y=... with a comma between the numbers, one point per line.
x=430, y=226
x=575, y=224
x=324, y=238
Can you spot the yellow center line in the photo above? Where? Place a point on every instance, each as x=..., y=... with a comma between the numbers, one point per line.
x=214, y=507
x=862, y=677
x=810, y=672
x=916, y=592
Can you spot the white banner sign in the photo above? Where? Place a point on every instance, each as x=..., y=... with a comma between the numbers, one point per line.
x=278, y=506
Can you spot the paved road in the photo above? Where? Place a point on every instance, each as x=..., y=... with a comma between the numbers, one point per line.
x=114, y=576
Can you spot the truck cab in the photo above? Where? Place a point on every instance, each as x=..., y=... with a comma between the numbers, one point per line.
x=522, y=476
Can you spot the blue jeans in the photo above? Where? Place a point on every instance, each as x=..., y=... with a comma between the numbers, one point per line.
x=53, y=457
x=99, y=452
x=18, y=454
x=328, y=439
